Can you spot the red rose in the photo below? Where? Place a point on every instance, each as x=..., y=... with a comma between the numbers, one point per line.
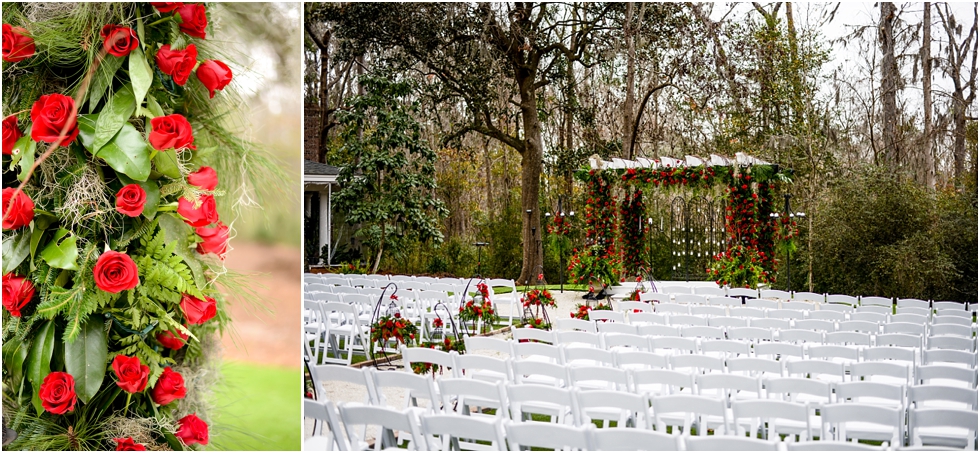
x=169, y=387
x=203, y=215
x=196, y=310
x=18, y=209
x=118, y=40
x=17, y=292
x=193, y=19
x=171, y=131
x=215, y=240
x=192, y=430
x=115, y=272
x=204, y=178
x=166, y=7
x=214, y=74
x=57, y=393
x=132, y=374
x=52, y=113
x=130, y=200
x=127, y=444
x=11, y=133
x=16, y=44
x=177, y=63
x=169, y=341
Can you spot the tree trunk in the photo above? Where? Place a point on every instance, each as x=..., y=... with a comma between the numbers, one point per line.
x=959, y=138
x=531, y=159
x=926, y=167
x=628, y=106
x=324, y=100
x=889, y=85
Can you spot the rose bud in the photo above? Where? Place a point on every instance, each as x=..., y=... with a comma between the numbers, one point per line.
x=192, y=430
x=215, y=240
x=115, y=272
x=130, y=200
x=17, y=292
x=169, y=341
x=118, y=40
x=18, y=209
x=205, y=178
x=17, y=45
x=166, y=7
x=171, y=131
x=203, y=215
x=178, y=64
x=11, y=133
x=49, y=115
x=132, y=374
x=215, y=75
x=196, y=310
x=57, y=393
x=169, y=387
x=193, y=19
x=127, y=444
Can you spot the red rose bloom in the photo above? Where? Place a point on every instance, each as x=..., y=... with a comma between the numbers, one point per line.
x=11, y=133
x=132, y=374
x=49, y=115
x=17, y=45
x=115, y=272
x=204, y=178
x=17, y=292
x=169, y=341
x=193, y=19
x=18, y=209
x=57, y=393
x=171, y=131
x=127, y=444
x=203, y=215
x=214, y=74
x=215, y=240
x=198, y=311
x=118, y=40
x=170, y=387
x=130, y=200
x=177, y=63
x=166, y=7
x=192, y=430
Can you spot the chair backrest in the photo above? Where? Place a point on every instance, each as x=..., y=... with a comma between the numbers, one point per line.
x=890, y=353
x=818, y=325
x=943, y=418
x=750, y=333
x=919, y=303
x=587, y=356
x=474, y=343
x=461, y=391
x=522, y=436
x=769, y=323
x=934, y=356
x=481, y=367
x=855, y=338
x=924, y=396
x=951, y=329
x=659, y=330
x=775, y=294
x=536, y=372
x=390, y=420
x=616, y=341
x=714, y=333
x=899, y=339
x=725, y=301
x=733, y=385
x=606, y=316
x=951, y=342
x=455, y=427
x=728, y=347
x=871, y=393
x=858, y=326
x=828, y=351
x=800, y=336
x=672, y=308
x=427, y=355
x=537, y=351
x=598, y=378
x=523, y=396
x=761, y=413
x=676, y=290
x=655, y=297
x=842, y=299
x=632, y=360
x=648, y=318
x=419, y=386
x=835, y=419
x=948, y=305
x=755, y=366
x=782, y=350
x=768, y=304
x=815, y=368
x=326, y=412
x=808, y=296
x=942, y=318
x=946, y=374
x=729, y=443
x=830, y=445
x=697, y=363
x=743, y=292
x=727, y=321
x=661, y=381
x=339, y=373
x=690, y=299
x=683, y=345
x=790, y=388
x=875, y=300
x=619, y=406
x=709, y=291
x=826, y=315
x=902, y=325
x=796, y=305
x=579, y=338
x=927, y=312
x=876, y=313
x=630, y=306
x=693, y=407
x=709, y=311
x=629, y=439
x=525, y=333
x=616, y=327
x=747, y=312
x=688, y=320
x=871, y=370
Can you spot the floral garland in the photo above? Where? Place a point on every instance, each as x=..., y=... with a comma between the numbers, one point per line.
x=594, y=266
x=632, y=230
x=112, y=247
x=600, y=212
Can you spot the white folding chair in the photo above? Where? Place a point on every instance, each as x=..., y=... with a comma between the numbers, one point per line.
x=778, y=351
x=773, y=418
x=687, y=411
x=886, y=372
x=616, y=327
x=951, y=342
x=775, y=294
x=942, y=397
x=615, y=341
x=325, y=413
x=500, y=347
x=782, y=313
x=838, y=419
x=851, y=338
x=388, y=420
x=858, y=326
x=743, y=292
x=816, y=369
x=609, y=406
x=629, y=439
x=339, y=373
x=416, y=387
x=640, y=360
x=755, y=367
x=578, y=338
x=538, y=372
x=343, y=334
x=944, y=427
x=655, y=297
x=770, y=323
x=755, y=334
x=730, y=387
x=949, y=356
x=481, y=367
x=542, y=336
x=727, y=321
x=826, y=315
x=447, y=432
x=639, y=319
x=951, y=329
x=729, y=443
x=557, y=403
x=867, y=392
x=507, y=304
x=658, y=330
x=800, y=336
x=712, y=333
x=537, y=352
x=524, y=436
x=747, y=312
x=606, y=316
x=808, y=296
x=585, y=356
x=952, y=375
x=660, y=382
x=463, y=396
x=818, y=325
x=875, y=300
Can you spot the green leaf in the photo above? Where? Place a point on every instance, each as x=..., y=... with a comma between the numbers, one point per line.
x=22, y=148
x=85, y=359
x=39, y=358
x=166, y=164
x=27, y=160
x=153, y=106
x=175, y=229
x=15, y=250
x=126, y=153
x=141, y=74
x=152, y=189
x=41, y=223
x=113, y=116
x=102, y=80
x=14, y=355
x=61, y=254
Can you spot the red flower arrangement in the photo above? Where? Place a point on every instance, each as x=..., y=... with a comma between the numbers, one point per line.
x=474, y=312
x=582, y=310
x=393, y=327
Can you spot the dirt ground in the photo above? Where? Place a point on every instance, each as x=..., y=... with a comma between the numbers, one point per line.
x=269, y=336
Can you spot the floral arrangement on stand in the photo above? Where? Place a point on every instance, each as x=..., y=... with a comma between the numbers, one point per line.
x=393, y=328
x=474, y=313
x=535, y=302
x=113, y=246
x=447, y=344
x=594, y=267
x=633, y=229
x=582, y=310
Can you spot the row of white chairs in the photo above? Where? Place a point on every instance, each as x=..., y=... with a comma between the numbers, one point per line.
x=947, y=308
x=813, y=297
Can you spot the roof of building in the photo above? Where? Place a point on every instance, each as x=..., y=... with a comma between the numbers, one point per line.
x=316, y=168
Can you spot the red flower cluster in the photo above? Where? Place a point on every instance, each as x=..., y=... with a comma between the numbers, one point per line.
x=473, y=312
x=539, y=297
x=394, y=327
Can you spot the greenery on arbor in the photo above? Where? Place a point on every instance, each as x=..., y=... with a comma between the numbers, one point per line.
x=387, y=185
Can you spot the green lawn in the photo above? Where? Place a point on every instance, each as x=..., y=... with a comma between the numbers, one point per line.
x=258, y=408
